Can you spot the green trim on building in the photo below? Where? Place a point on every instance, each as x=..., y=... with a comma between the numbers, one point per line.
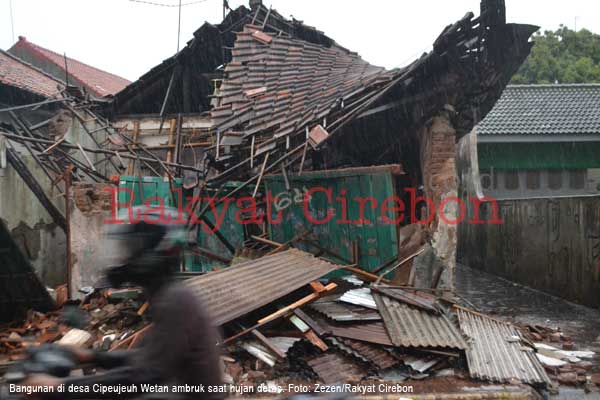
x=519, y=156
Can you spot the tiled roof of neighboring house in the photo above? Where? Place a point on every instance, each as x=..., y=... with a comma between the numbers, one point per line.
x=100, y=82
x=16, y=72
x=572, y=109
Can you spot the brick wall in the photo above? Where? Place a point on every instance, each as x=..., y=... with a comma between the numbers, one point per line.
x=440, y=181
x=92, y=198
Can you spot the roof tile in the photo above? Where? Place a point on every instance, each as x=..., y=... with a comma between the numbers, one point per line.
x=102, y=83
x=572, y=109
x=16, y=72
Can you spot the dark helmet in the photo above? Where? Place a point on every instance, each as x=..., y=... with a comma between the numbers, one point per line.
x=146, y=247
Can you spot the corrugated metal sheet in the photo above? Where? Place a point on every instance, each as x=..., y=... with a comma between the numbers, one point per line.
x=283, y=343
x=345, y=312
x=367, y=352
x=335, y=368
x=373, y=332
x=496, y=352
x=359, y=297
x=235, y=291
x=412, y=327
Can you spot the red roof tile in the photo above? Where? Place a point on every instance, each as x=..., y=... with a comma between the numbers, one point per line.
x=100, y=82
x=18, y=73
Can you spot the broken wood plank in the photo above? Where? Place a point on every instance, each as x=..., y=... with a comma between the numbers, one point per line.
x=287, y=245
x=264, y=340
x=364, y=274
x=316, y=340
x=317, y=286
x=279, y=313
x=21, y=168
x=262, y=172
x=143, y=309
x=54, y=145
x=90, y=163
x=310, y=322
x=297, y=304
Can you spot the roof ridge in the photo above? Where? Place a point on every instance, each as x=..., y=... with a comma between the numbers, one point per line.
x=553, y=85
x=38, y=47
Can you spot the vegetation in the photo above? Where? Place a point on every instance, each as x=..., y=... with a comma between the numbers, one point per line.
x=562, y=56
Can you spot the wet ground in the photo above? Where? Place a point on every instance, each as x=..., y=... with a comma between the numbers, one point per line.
x=511, y=301
x=516, y=303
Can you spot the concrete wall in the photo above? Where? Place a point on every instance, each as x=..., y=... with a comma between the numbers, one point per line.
x=551, y=244
x=89, y=255
x=548, y=244
x=40, y=239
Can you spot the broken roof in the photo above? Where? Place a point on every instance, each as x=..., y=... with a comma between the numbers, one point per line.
x=278, y=88
x=278, y=84
x=204, y=55
x=242, y=288
x=20, y=74
x=100, y=82
x=496, y=351
x=533, y=110
x=412, y=327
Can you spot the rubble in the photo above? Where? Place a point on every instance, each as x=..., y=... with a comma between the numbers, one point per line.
x=310, y=343
x=284, y=313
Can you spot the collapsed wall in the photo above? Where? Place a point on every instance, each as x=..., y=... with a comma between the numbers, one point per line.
x=88, y=254
x=440, y=182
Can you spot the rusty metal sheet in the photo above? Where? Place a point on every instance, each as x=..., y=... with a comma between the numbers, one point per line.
x=496, y=352
x=336, y=368
x=421, y=300
x=235, y=291
x=374, y=354
x=372, y=332
x=413, y=327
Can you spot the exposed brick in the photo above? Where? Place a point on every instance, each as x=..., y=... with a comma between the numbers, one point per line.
x=92, y=198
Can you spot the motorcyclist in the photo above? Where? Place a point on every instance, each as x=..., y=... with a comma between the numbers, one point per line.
x=180, y=346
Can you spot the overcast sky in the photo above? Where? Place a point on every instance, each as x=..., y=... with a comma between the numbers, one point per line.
x=128, y=38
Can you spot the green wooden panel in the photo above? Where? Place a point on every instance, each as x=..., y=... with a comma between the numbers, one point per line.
x=568, y=155
x=377, y=239
x=229, y=227
x=153, y=188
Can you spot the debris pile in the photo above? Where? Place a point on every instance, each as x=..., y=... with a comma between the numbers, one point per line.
x=561, y=360
x=106, y=320
x=291, y=318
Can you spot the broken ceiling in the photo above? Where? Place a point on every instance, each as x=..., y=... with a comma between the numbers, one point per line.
x=272, y=81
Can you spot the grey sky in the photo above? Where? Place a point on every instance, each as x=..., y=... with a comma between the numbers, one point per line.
x=129, y=38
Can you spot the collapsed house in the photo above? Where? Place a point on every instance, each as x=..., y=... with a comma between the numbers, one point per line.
x=276, y=96
x=260, y=105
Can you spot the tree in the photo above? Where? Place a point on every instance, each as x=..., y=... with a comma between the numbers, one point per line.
x=562, y=56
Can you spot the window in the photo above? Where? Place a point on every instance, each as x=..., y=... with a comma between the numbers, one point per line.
x=533, y=179
x=555, y=180
x=511, y=180
x=486, y=182
x=577, y=179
